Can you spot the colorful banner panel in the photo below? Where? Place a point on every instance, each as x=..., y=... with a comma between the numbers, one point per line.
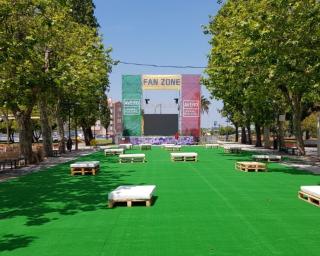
x=131, y=102
x=190, y=105
x=161, y=82
x=158, y=140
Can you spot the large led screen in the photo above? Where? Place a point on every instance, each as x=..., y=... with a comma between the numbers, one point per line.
x=160, y=124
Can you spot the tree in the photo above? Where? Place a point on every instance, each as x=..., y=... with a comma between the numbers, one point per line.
x=205, y=103
x=46, y=55
x=105, y=113
x=264, y=53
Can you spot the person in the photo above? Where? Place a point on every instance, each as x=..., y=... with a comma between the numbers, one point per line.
x=69, y=144
x=176, y=136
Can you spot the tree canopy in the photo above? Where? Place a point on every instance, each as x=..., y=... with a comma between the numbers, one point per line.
x=264, y=59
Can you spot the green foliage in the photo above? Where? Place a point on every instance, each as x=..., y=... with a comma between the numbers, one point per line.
x=265, y=59
x=52, y=49
x=205, y=103
x=226, y=130
x=310, y=124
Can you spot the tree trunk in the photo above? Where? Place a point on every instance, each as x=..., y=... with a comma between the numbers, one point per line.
x=249, y=135
x=266, y=136
x=237, y=134
x=88, y=136
x=45, y=126
x=243, y=135
x=25, y=137
x=296, y=122
x=307, y=135
x=280, y=137
x=258, y=135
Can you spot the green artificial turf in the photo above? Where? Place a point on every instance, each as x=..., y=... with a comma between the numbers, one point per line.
x=203, y=208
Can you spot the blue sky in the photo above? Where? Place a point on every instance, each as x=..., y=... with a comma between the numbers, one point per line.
x=166, y=32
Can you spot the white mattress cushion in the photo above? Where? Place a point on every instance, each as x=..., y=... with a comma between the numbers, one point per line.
x=165, y=145
x=189, y=154
x=131, y=155
x=85, y=164
x=172, y=146
x=272, y=157
x=139, y=192
x=109, y=147
x=113, y=150
x=311, y=190
x=260, y=156
x=145, y=144
x=128, y=145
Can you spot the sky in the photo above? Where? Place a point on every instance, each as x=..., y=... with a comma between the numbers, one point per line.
x=166, y=32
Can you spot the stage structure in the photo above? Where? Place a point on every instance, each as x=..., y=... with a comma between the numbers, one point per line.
x=186, y=122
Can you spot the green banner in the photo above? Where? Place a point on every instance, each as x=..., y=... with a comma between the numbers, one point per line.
x=131, y=105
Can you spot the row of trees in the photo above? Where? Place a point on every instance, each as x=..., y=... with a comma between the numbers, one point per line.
x=52, y=61
x=265, y=62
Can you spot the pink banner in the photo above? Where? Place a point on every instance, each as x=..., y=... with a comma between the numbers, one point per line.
x=190, y=105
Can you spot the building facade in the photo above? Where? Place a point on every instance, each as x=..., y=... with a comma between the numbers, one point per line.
x=115, y=126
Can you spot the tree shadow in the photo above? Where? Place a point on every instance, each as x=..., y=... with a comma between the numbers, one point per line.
x=292, y=171
x=12, y=242
x=272, y=167
x=54, y=190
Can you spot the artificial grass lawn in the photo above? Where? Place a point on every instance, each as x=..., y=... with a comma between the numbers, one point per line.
x=203, y=208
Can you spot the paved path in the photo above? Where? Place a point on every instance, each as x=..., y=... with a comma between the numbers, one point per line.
x=47, y=163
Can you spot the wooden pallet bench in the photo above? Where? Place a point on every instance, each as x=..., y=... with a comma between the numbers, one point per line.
x=85, y=167
x=132, y=158
x=12, y=158
x=130, y=194
x=113, y=151
x=310, y=194
x=173, y=147
x=186, y=156
x=250, y=166
x=212, y=145
x=269, y=158
x=126, y=146
x=145, y=146
x=233, y=150
x=167, y=144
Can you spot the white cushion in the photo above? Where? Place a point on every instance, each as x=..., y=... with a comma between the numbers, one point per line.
x=131, y=155
x=145, y=144
x=132, y=192
x=85, y=164
x=127, y=146
x=212, y=145
x=311, y=190
x=273, y=157
x=167, y=144
x=260, y=156
x=109, y=147
x=188, y=154
x=172, y=146
x=114, y=150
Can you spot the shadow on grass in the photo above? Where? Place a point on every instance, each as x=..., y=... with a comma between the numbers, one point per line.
x=12, y=242
x=292, y=171
x=37, y=195
x=247, y=156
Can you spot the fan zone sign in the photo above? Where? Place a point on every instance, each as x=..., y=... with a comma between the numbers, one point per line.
x=161, y=82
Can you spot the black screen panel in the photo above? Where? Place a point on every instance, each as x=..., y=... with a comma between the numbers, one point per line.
x=160, y=124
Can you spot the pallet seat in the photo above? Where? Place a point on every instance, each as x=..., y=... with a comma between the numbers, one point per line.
x=130, y=194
